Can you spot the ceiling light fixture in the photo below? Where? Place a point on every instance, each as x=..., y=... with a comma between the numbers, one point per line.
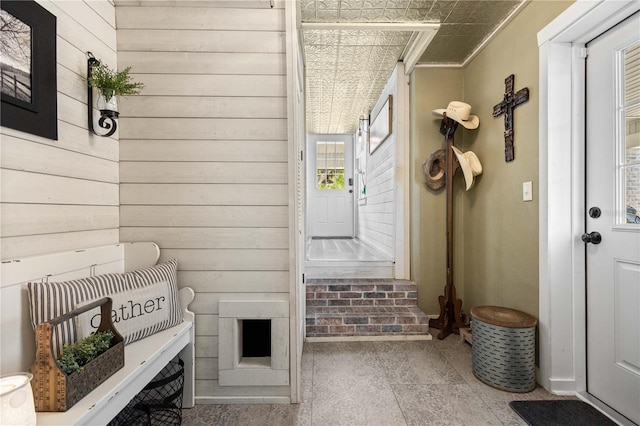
x=364, y=123
x=363, y=127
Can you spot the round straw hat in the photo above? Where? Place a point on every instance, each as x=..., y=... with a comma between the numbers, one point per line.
x=434, y=169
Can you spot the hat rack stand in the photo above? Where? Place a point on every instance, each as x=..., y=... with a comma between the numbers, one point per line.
x=450, y=319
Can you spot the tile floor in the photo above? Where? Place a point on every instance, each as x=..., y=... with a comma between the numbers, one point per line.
x=380, y=383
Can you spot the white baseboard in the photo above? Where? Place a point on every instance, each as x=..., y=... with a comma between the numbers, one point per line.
x=562, y=387
x=202, y=400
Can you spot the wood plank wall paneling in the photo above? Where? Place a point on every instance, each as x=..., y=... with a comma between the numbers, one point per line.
x=63, y=195
x=235, y=281
x=235, y=4
x=218, y=238
x=203, y=107
x=201, y=172
x=203, y=150
x=34, y=219
x=376, y=218
x=210, y=128
x=51, y=160
x=204, y=216
x=207, y=194
x=272, y=86
x=187, y=43
x=201, y=18
x=72, y=139
x=77, y=29
x=204, y=156
x=206, y=63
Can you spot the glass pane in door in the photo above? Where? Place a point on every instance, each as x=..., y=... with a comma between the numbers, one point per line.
x=330, y=165
x=631, y=109
x=632, y=184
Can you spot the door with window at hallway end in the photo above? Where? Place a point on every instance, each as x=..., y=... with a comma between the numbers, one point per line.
x=330, y=186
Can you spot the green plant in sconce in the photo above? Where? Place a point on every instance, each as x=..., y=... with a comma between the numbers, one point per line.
x=110, y=82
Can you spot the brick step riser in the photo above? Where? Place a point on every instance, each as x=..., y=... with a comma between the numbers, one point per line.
x=362, y=295
x=337, y=308
x=327, y=324
x=329, y=319
x=365, y=330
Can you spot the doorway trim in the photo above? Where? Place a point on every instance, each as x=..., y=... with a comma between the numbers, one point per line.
x=295, y=149
x=562, y=305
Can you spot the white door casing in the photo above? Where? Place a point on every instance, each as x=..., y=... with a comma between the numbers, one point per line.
x=330, y=211
x=296, y=143
x=613, y=265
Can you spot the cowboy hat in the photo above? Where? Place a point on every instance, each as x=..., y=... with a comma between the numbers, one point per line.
x=434, y=169
x=460, y=113
x=470, y=165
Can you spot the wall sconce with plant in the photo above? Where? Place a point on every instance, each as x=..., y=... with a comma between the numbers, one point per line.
x=110, y=84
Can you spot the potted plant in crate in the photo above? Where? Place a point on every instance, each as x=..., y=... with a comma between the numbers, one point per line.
x=59, y=383
x=110, y=84
x=76, y=355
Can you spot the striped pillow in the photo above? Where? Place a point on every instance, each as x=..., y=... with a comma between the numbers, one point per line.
x=50, y=300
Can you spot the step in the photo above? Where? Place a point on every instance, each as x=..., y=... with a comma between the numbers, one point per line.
x=361, y=292
x=366, y=321
x=363, y=307
x=327, y=269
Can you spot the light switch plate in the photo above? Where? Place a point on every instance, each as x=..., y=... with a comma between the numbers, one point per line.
x=527, y=191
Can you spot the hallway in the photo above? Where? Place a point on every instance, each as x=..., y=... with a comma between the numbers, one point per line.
x=380, y=383
x=345, y=258
x=342, y=249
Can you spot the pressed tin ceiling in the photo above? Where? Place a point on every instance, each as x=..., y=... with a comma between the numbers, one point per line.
x=347, y=68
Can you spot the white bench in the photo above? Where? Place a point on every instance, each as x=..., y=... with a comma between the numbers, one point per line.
x=143, y=359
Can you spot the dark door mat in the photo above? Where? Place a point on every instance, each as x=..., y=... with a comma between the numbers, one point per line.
x=566, y=412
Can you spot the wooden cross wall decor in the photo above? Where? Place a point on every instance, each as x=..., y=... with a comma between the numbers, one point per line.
x=509, y=103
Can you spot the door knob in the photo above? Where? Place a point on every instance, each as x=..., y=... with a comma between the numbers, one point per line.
x=593, y=238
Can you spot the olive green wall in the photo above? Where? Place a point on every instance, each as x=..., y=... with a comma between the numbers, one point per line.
x=495, y=232
x=434, y=87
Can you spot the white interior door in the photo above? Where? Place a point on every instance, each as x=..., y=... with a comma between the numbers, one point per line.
x=613, y=187
x=330, y=185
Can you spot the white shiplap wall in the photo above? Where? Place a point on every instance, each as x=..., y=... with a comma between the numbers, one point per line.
x=203, y=158
x=63, y=195
x=376, y=218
